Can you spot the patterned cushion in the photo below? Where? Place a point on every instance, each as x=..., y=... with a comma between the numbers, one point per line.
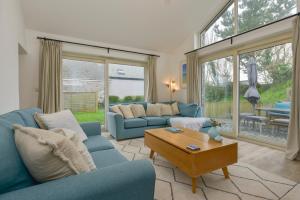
x=153, y=110
x=175, y=109
x=138, y=110
x=166, y=109
x=126, y=110
x=116, y=109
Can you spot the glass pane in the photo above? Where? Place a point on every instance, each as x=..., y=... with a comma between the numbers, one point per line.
x=217, y=91
x=126, y=83
x=83, y=90
x=266, y=117
x=254, y=13
x=222, y=28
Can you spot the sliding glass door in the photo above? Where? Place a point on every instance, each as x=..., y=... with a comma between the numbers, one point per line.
x=217, y=87
x=91, y=84
x=83, y=89
x=265, y=113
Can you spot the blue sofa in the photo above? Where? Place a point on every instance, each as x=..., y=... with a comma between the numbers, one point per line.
x=121, y=128
x=116, y=178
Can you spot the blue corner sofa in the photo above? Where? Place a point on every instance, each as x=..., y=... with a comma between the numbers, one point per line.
x=121, y=128
x=116, y=178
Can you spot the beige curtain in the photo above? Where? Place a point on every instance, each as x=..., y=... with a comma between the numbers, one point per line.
x=193, y=78
x=50, y=76
x=293, y=143
x=150, y=80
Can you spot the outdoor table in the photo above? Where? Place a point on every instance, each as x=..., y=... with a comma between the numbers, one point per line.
x=271, y=110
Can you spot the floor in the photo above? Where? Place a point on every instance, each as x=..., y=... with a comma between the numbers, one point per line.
x=246, y=182
x=269, y=159
x=266, y=158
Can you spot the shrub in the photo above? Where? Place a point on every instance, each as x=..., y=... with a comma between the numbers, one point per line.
x=128, y=99
x=114, y=99
x=139, y=98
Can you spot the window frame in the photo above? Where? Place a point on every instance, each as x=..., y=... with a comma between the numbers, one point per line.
x=214, y=19
x=235, y=52
x=106, y=61
x=235, y=22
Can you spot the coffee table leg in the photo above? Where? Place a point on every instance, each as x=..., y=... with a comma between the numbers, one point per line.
x=225, y=172
x=151, y=154
x=194, y=184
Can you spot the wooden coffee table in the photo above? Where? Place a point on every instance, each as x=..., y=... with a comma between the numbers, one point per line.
x=212, y=155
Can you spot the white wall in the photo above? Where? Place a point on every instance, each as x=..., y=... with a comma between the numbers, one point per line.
x=30, y=64
x=12, y=39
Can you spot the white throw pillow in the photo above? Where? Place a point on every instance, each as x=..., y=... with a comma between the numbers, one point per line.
x=138, y=110
x=153, y=110
x=47, y=155
x=63, y=119
x=175, y=109
x=80, y=146
x=166, y=109
x=116, y=109
x=126, y=110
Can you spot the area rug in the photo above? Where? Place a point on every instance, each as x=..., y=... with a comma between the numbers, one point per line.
x=246, y=182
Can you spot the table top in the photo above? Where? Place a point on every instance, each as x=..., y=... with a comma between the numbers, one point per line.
x=183, y=139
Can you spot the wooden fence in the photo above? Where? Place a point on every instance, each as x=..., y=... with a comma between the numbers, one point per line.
x=224, y=108
x=81, y=101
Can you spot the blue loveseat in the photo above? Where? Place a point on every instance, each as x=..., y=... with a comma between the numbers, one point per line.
x=116, y=178
x=121, y=128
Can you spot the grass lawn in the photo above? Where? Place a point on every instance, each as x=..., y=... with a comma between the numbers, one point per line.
x=90, y=116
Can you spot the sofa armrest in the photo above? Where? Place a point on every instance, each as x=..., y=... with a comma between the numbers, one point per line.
x=115, y=123
x=133, y=180
x=91, y=128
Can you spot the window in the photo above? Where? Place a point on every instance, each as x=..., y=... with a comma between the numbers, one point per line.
x=220, y=29
x=267, y=119
x=250, y=14
x=254, y=13
x=126, y=83
x=83, y=89
x=217, y=91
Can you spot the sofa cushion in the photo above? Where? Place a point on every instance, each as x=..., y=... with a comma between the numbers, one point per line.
x=116, y=109
x=27, y=116
x=14, y=174
x=47, y=155
x=166, y=109
x=175, y=109
x=62, y=119
x=153, y=110
x=156, y=121
x=97, y=143
x=126, y=110
x=13, y=118
x=107, y=158
x=138, y=110
x=188, y=110
x=135, y=123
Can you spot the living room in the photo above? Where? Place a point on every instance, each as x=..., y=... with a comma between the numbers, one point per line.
x=162, y=99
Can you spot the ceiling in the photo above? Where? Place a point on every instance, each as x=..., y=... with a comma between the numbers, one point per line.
x=159, y=25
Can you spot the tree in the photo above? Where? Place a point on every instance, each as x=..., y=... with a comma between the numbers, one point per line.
x=274, y=65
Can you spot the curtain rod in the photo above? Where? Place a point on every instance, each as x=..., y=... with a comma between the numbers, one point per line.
x=232, y=37
x=96, y=46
